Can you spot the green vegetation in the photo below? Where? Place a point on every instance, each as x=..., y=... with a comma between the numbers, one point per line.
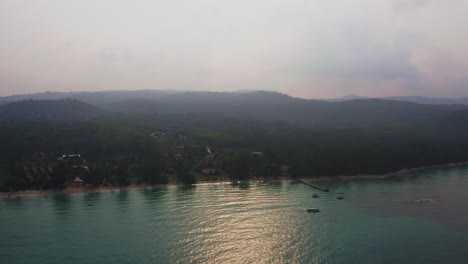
x=214, y=136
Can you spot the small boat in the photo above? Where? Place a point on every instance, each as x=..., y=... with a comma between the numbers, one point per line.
x=316, y=196
x=313, y=210
x=340, y=197
x=90, y=204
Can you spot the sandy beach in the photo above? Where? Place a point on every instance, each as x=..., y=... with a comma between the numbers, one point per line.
x=71, y=190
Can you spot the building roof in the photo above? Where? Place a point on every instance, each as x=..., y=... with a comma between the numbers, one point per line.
x=78, y=180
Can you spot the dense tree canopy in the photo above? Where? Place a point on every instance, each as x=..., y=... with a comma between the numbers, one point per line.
x=157, y=143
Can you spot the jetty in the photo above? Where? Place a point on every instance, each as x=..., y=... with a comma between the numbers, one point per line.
x=314, y=185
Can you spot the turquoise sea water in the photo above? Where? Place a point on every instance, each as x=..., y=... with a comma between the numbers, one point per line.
x=420, y=218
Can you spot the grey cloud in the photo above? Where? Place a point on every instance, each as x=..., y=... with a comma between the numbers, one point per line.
x=355, y=46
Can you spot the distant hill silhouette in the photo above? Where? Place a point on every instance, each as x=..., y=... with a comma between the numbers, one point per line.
x=258, y=105
x=412, y=99
x=345, y=98
x=95, y=98
x=64, y=110
x=109, y=97
x=270, y=106
x=429, y=100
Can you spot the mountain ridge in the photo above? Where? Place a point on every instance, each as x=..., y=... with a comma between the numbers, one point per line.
x=109, y=97
x=260, y=106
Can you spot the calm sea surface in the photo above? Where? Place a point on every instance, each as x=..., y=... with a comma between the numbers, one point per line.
x=420, y=218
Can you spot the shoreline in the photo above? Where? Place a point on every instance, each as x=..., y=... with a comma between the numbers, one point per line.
x=400, y=172
x=85, y=190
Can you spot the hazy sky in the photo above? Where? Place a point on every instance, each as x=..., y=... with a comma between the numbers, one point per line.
x=306, y=48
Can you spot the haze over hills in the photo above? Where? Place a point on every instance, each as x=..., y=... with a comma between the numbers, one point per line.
x=259, y=105
x=98, y=97
x=268, y=106
x=412, y=99
x=345, y=98
x=109, y=97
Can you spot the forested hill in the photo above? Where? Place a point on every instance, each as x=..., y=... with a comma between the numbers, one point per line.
x=110, y=97
x=268, y=106
x=65, y=110
x=257, y=106
x=195, y=135
x=456, y=120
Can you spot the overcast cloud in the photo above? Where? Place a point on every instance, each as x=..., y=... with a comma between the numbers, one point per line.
x=312, y=49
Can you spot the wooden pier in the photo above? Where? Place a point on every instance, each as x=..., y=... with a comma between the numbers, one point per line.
x=314, y=185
